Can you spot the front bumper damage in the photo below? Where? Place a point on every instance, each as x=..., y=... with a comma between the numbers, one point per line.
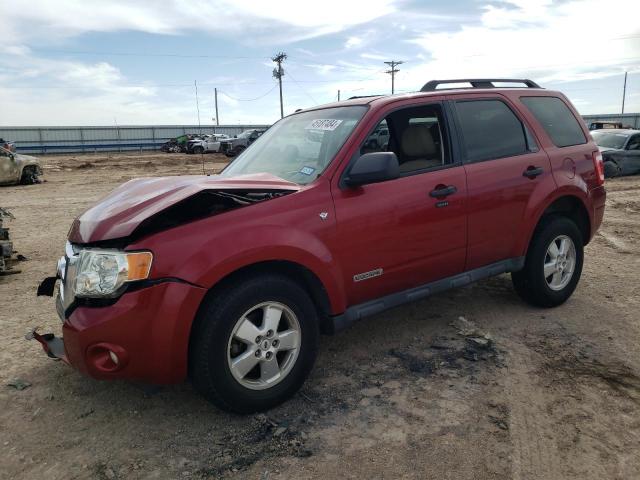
x=52, y=345
x=141, y=336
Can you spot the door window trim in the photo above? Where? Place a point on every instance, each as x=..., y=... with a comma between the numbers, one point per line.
x=526, y=130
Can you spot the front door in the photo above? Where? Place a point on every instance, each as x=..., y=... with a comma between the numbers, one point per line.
x=401, y=233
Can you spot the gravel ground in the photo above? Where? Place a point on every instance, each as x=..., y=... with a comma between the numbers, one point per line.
x=471, y=383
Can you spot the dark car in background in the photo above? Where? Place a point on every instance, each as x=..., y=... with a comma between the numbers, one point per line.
x=620, y=151
x=236, y=145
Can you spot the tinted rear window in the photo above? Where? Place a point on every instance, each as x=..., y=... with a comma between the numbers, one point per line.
x=490, y=130
x=557, y=120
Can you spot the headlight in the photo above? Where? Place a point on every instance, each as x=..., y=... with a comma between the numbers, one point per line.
x=103, y=273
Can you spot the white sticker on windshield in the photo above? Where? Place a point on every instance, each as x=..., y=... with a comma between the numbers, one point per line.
x=329, y=124
x=307, y=170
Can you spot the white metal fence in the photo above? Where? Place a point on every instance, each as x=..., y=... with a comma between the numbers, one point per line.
x=94, y=139
x=151, y=137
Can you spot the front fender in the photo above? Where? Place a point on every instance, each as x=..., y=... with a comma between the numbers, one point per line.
x=206, y=251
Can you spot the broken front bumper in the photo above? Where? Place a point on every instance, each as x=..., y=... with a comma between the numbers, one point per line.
x=52, y=345
x=143, y=335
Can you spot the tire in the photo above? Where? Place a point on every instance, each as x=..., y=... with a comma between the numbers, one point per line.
x=215, y=344
x=530, y=282
x=29, y=176
x=611, y=169
x=198, y=150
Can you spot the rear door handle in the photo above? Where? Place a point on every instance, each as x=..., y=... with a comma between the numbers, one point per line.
x=532, y=172
x=443, y=191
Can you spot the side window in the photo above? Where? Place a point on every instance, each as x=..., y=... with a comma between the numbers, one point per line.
x=556, y=119
x=417, y=136
x=490, y=130
x=634, y=143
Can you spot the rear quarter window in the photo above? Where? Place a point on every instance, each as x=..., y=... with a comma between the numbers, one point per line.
x=556, y=119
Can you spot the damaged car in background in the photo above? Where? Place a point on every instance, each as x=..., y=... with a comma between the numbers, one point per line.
x=228, y=279
x=207, y=144
x=16, y=168
x=236, y=145
x=620, y=151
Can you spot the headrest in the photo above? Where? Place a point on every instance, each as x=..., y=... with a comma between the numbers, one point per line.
x=418, y=142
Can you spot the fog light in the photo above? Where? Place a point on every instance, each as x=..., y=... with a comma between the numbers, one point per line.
x=114, y=358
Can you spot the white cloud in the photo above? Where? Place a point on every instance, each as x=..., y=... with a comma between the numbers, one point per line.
x=551, y=42
x=271, y=22
x=353, y=42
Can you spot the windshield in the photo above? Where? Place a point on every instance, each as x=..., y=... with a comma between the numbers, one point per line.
x=299, y=147
x=245, y=134
x=610, y=140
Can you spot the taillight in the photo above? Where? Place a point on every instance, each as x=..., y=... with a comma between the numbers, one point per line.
x=599, y=166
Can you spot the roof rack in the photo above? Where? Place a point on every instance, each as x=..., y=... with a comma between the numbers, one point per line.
x=477, y=83
x=365, y=96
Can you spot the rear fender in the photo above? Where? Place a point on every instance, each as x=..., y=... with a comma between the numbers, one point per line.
x=537, y=210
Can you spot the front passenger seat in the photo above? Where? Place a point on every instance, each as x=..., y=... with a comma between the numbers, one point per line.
x=419, y=149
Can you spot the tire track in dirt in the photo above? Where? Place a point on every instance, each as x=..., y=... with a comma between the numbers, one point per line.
x=532, y=432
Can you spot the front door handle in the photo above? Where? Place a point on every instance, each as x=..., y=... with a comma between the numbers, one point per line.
x=532, y=172
x=442, y=191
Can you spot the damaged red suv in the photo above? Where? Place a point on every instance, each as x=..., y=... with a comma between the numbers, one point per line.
x=228, y=279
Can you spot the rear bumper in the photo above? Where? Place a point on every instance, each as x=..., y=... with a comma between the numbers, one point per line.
x=147, y=330
x=598, y=198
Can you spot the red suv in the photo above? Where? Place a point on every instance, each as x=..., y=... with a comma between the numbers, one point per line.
x=228, y=279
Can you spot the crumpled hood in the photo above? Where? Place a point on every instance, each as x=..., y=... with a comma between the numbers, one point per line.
x=118, y=214
x=607, y=149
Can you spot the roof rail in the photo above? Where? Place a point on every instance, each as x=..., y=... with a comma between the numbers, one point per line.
x=365, y=96
x=477, y=83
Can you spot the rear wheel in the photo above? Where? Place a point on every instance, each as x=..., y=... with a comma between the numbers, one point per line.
x=198, y=150
x=254, y=344
x=553, y=265
x=29, y=176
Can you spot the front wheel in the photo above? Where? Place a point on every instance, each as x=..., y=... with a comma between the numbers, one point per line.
x=254, y=344
x=553, y=265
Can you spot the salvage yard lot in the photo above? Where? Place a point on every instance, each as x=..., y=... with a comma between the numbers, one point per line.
x=415, y=392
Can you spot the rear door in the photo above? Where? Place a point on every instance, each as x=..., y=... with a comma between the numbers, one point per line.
x=395, y=235
x=505, y=168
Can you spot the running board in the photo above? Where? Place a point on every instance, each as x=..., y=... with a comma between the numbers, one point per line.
x=362, y=310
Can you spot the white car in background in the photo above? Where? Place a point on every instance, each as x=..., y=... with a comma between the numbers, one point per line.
x=208, y=144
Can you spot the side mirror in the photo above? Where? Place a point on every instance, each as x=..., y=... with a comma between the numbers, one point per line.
x=373, y=168
x=12, y=157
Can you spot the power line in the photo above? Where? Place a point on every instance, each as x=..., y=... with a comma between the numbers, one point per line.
x=303, y=90
x=249, y=99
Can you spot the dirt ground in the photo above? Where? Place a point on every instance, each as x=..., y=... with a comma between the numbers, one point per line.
x=416, y=392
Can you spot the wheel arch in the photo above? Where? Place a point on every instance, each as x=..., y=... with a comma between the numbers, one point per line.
x=570, y=206
x=301, y=274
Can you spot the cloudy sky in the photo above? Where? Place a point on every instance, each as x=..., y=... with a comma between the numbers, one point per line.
x=100, y=62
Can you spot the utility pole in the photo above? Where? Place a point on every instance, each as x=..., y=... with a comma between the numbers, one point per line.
x=624, y=91
x=195, y=82
x=278, y=73
x=215, y=97
x=338, y=95
x=393, y=64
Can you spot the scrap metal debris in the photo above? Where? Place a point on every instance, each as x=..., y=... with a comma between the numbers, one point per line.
x=6, y=246
x=19, y=384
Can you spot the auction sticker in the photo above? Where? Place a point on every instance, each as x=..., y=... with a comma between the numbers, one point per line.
x=329, y=124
